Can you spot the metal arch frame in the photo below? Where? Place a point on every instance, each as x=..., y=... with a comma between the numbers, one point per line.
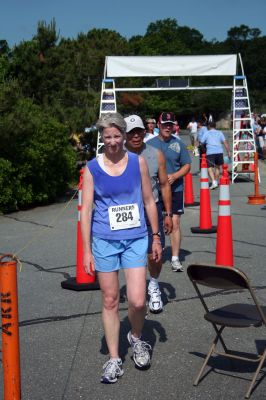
x=151, y=89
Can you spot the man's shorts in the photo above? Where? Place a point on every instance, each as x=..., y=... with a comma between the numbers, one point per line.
x=214, y=160
x=161, y=227
x=113, y=255
x=177, y=203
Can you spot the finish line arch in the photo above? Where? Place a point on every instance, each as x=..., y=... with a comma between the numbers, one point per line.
x=185, y=66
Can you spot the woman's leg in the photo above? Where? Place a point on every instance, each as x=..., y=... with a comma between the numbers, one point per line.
x=136, y=294
x=110, y=303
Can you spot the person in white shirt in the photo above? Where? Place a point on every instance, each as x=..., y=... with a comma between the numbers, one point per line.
x=193, y=129
x=210, y=119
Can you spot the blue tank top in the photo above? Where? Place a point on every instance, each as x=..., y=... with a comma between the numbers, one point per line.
x=117, y=194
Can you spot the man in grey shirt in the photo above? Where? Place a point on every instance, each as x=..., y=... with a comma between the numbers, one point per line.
x=157, y=169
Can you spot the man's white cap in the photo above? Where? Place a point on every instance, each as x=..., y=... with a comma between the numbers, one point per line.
x=133, y=121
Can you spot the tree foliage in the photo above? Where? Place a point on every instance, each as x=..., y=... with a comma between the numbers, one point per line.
x=36, y=159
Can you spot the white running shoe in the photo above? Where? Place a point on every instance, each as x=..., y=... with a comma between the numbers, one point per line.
x=141, y=349
x=112, y=371
x=214, y=185
x=155, y=302
x=177, y=266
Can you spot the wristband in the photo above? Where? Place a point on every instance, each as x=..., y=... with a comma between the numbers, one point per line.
x=157, y=234
x=166, y=214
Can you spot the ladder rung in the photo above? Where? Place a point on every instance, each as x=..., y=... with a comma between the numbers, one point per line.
x=107, y=111
x=244, y=151
x=241, y=98
x=241, y=108
x=235, y=163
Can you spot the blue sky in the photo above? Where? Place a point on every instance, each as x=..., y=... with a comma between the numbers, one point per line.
x=19, y=18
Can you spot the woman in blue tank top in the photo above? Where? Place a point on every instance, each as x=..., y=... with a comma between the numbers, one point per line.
x=114, y=237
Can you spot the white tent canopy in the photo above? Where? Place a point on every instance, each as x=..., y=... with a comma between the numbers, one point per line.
x=134, y=66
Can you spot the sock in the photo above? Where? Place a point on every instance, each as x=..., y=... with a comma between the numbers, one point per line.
x=175, y=258
x=115, y=359
x=153, y=283
x=135, y=339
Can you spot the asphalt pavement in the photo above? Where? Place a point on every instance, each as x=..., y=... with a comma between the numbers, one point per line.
x=62, y=344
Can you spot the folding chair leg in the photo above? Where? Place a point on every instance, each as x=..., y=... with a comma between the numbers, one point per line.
x=206, y=361
x=219, y=334
x=214, y=343
x=255, y=376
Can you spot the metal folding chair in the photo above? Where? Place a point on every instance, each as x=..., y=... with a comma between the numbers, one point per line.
x=233, y=315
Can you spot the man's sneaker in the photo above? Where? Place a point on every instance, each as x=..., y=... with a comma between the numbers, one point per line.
x=177, y=266
x=112, y=371
x=155, y=302
x=141, y=355
x=214, y=185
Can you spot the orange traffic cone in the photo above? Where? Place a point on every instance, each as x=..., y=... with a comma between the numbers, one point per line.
x=82, y=281
x=224, y=241
x=189, y=195
x=256, y=198
x=205, y=202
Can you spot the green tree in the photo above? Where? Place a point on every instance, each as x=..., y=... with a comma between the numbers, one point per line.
x=4, y=59
x=162, y=38
x=34, y=151
x=46, y=37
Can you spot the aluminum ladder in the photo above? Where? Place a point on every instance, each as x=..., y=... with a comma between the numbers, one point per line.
x=244, y=146
x=107, y=105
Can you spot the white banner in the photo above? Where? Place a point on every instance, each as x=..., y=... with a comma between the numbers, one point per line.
x=132, y=66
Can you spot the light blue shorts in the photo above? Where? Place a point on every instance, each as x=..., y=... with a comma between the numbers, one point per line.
x=112, y=255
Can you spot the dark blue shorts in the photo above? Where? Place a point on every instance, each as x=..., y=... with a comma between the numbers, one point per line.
x=161, y=228
x=214, y=160
x=177, y=203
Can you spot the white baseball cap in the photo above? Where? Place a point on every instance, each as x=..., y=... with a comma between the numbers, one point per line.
x=133, y=121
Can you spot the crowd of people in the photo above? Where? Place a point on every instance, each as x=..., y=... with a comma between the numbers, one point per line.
x=259, y=129
x=132, y=197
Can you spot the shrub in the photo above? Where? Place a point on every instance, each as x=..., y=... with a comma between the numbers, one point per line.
x=37, y=161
